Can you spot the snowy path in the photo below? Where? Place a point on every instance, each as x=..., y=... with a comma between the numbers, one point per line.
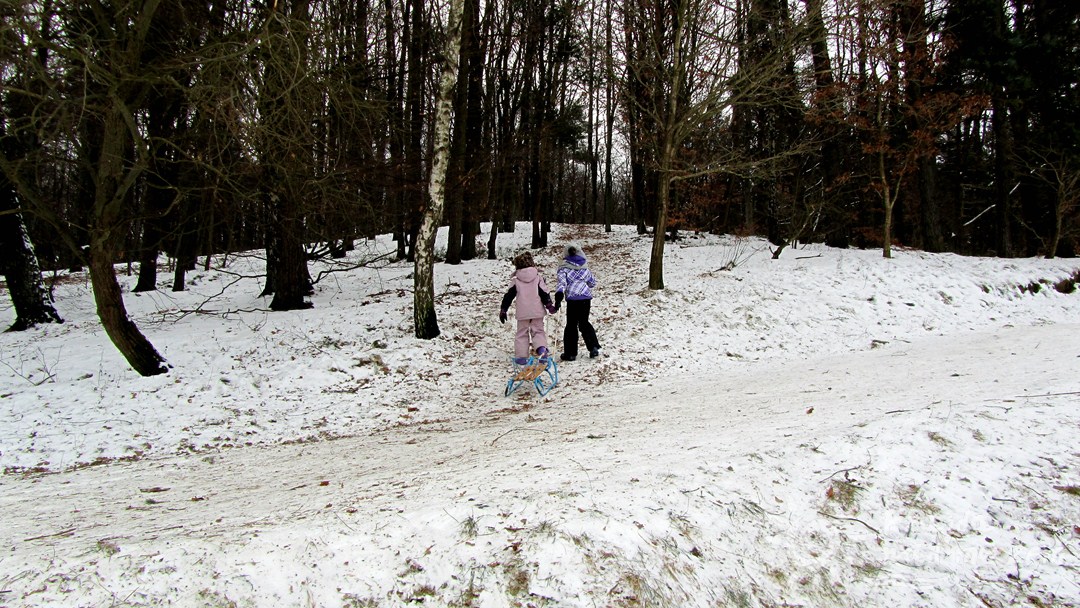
x=685, y=486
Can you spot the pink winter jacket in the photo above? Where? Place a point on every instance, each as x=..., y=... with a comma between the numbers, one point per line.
x=528, y=282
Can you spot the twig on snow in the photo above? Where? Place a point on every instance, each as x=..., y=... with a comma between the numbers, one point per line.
x=981, y=598
x=338, y=516
x=67, y=532
x=855, y=519
x=516, y=429
x=848, y=470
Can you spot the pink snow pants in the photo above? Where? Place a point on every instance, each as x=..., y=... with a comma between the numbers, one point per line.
x=526, y=329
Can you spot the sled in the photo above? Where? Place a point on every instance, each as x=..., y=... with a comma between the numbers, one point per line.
x=541, y=372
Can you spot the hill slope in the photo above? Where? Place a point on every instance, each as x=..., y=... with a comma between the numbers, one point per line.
x=830, y=428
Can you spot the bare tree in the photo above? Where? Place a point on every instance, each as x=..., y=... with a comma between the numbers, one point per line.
x=94, y=46
x=898, y=119
x=683, y=80
x=1060, y=171
x=285, y=112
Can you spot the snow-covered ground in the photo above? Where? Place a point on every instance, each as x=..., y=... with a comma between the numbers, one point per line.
x=827, y=429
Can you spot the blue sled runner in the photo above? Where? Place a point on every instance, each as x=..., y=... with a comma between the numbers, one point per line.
x=541, y=372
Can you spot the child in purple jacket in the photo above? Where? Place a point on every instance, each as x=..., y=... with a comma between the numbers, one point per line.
x=575, y=282
x=533, y=302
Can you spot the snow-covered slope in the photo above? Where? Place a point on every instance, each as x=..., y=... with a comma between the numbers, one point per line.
x=827, y=429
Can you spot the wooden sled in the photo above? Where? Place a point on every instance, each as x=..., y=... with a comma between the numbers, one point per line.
x=542, y=372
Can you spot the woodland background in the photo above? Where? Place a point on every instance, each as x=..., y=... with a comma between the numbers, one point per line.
x=137, y=131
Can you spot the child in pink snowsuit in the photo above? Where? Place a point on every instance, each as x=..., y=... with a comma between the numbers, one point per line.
x=533, y=302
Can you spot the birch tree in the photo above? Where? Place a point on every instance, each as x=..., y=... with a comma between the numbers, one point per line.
x=424, y=317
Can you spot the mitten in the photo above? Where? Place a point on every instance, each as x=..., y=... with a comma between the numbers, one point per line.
x=558, y=300
x=551, y=308
x=502, y=316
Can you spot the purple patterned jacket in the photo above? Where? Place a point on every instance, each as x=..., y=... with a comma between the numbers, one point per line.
x=575, y=280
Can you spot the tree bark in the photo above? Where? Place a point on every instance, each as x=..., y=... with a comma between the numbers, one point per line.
x=473, y=163
x=889, y=202
x=18, y=261
x=418, y=46
x=125, y=335
x=112, y=185
x=19, y=264
x=286, y=154
x=673, y=108
x=1005, y=174
x=656, y=259
x=424, y=317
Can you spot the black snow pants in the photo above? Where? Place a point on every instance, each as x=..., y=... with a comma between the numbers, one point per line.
x=577, y=319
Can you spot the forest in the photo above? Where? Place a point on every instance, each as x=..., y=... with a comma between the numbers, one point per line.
x=133, y=131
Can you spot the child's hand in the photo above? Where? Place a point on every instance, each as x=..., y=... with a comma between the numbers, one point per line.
x=502, y=316
x=551, y=308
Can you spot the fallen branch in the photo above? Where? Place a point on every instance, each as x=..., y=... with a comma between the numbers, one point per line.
x=1048, y=395
x=871, y=528
x=67, y=532
x=842, y=471
x=981, y=598
x=1065, y=546
x=515, y=429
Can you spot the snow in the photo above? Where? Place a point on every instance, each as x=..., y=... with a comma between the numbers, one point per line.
x=827, y=429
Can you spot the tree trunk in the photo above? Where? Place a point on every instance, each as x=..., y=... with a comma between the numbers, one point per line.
x=161, y=186
x=656, y=260
x=424, y=317
x=132, y=344
x=18, y=262
x=1055, y=235
x=609, y=105
x=1004, y=174
x=474, y=130
x=112, y=184
x=672, y=107
x=290, y=276
x=186, y=248
x=457, y=217
x=933, y=235
x=417, y=43
x=148, y=253
x=286, y=154
x=836, y=222
x=889, y=201
x=918, y=72
x=20, y=267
